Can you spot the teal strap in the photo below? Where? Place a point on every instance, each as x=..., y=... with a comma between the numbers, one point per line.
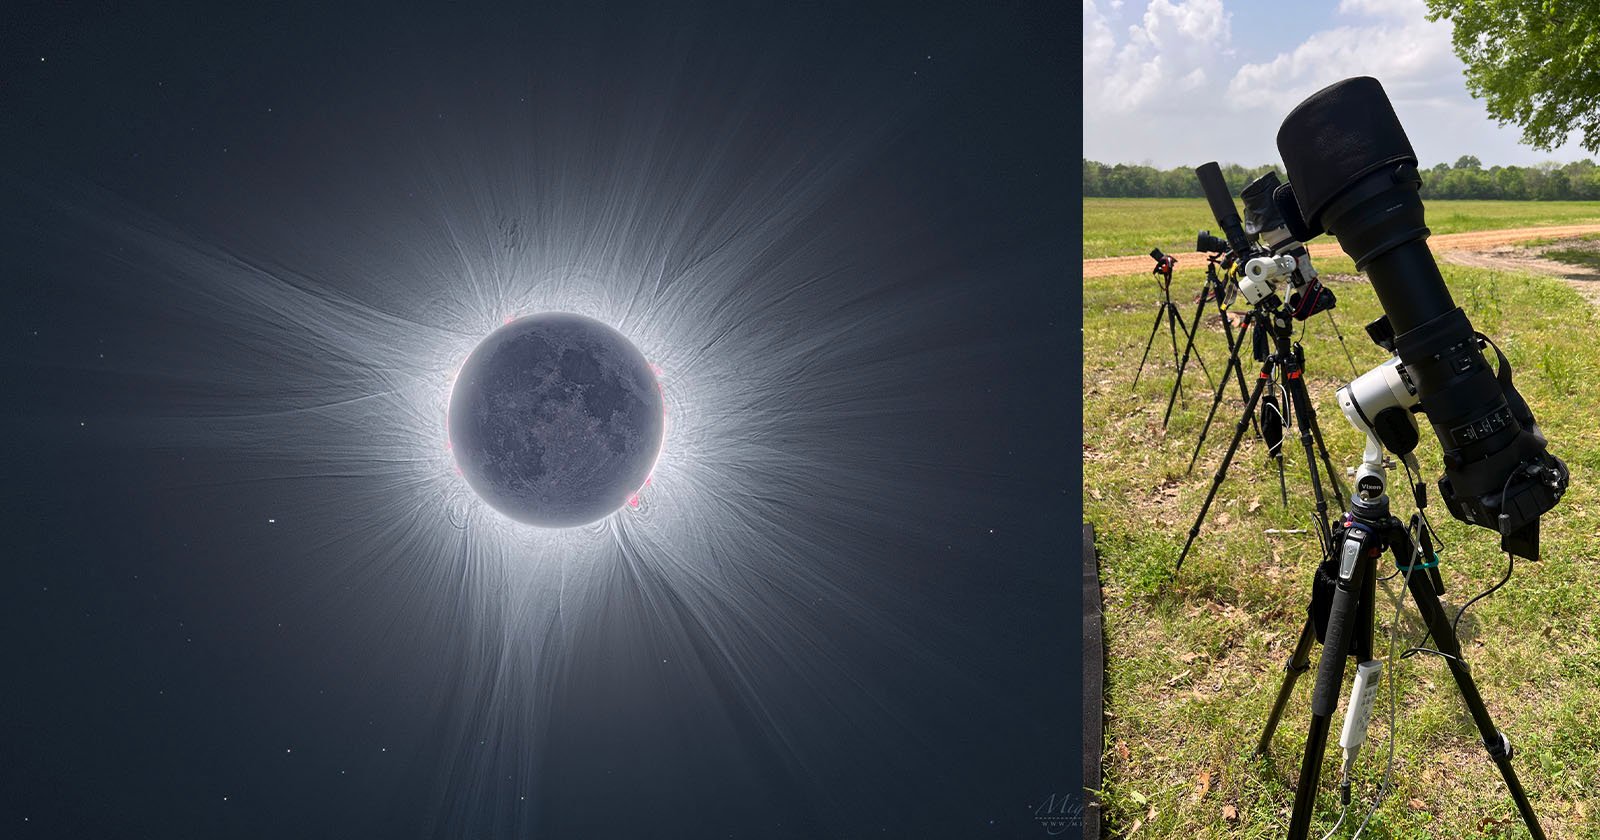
x=1431, y=564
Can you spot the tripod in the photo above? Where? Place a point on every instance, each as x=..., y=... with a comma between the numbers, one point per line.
x=1167, y=312
x=1285, y=365
x=1365, y=531
x=1214, y=288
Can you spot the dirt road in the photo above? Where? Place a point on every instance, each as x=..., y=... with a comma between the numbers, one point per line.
x=1533, y=259
x=1475, y=241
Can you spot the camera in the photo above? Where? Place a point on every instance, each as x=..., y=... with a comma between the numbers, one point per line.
x=1284, y=258
x=1206, y=243
x=1264, y=219
x=1164, y=264
x=1353, y=173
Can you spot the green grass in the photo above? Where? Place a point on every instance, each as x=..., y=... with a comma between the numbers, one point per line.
x=1194, y=662
x=1115, y=227
x=1576, y=256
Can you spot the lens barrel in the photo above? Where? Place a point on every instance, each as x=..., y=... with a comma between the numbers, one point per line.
x=1355, y=175
x=1205, y=242
x=1222, y=206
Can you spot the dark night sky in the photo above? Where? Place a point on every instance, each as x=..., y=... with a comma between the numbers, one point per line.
x=173, y=668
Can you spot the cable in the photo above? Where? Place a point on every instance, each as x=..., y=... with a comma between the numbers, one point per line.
x=1342, y=811
x=1324, y=536
x=1511, y=563
x=1438, y=544
x=1385, y=787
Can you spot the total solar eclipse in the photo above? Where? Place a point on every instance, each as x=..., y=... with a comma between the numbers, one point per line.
x=556, y=420
x=351, y=425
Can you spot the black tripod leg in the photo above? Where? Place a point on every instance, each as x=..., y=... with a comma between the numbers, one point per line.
x=1173, y=320
x=1339, y=495
x=1192, y=331
x=1299, y=663
x=1222, y=471
x=1216, y=400
x=1309, y=439
x=1237, y=366
x=1177, y=384
x=1233, y=349
x=1498, y=746
x=1343, y=620
x=1150, y=342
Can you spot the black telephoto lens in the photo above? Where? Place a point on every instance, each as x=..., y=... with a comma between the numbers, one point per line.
x=1222, y=208
x=1209, y=244
x=1355, y=175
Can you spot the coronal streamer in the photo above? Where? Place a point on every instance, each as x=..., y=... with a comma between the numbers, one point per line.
x=803, y=368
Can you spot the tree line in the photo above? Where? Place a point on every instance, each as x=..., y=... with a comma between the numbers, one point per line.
x=1579, y=181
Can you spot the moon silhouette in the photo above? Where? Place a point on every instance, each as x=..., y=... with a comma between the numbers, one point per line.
x=556, y=420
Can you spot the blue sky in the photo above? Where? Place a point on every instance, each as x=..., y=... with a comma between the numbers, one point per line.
x=1181, y=82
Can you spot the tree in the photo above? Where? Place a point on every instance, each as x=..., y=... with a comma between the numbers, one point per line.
x=1468, y=162
x=1535, y=63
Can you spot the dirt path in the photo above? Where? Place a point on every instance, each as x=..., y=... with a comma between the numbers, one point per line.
x=1443, y=245
x=1531, y=259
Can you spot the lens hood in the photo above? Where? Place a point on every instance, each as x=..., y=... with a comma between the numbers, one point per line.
x=1335, y=138
x=1260, y=211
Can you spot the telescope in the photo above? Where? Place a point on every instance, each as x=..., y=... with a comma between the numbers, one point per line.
x=1352, y=173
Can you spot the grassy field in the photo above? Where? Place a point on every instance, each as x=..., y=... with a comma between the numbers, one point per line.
x=1194, y=662
x=1114, y=227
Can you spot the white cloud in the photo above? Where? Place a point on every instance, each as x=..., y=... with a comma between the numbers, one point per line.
x=1163, y=83
x=1162, y=58
x=1409, y=54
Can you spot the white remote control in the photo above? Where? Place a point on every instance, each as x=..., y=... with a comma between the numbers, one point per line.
x=1365, y=690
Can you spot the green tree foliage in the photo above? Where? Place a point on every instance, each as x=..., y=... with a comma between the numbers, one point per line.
x=1535, y=63
x=1578, y=181
x=1132, y=181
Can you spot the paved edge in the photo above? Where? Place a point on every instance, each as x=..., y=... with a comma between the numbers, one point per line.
x=1094, y=672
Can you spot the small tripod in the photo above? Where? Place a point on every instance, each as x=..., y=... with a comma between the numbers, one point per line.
x=1214, y=288
x=1167, y=312
x=1283, y=367
x=1364, y=532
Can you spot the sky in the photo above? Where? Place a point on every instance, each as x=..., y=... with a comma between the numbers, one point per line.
x=1182, y=82
x=247, y=247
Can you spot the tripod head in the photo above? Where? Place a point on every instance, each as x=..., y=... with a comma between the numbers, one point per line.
x=1220, y=284
x=1379, y=404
